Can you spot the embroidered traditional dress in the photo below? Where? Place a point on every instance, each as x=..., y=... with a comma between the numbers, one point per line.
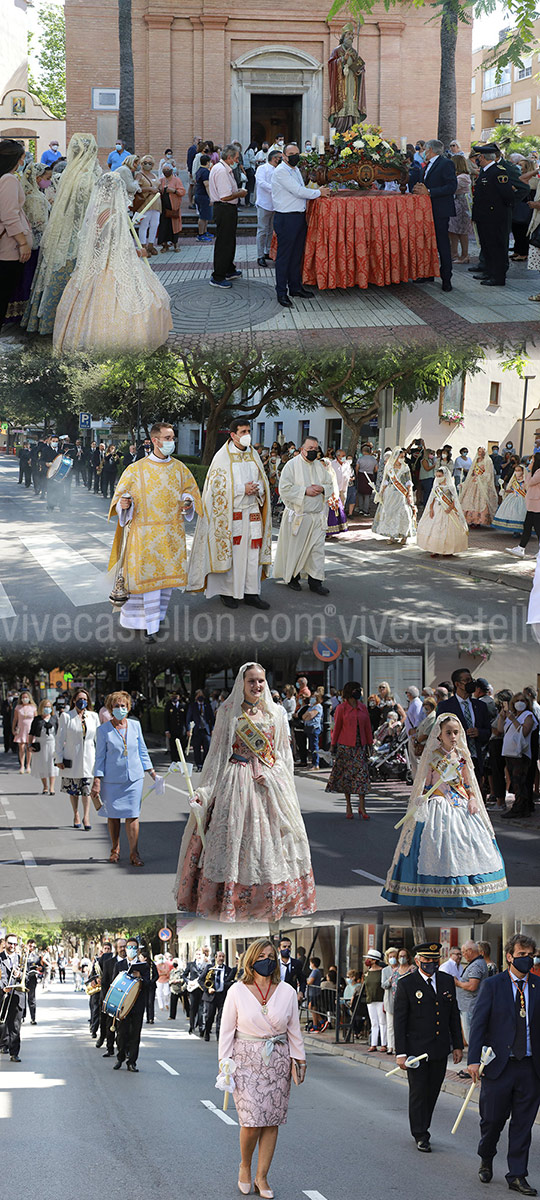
x=478, y=494
x=337, y=520
x=442, y=528
x=155, y=560
x=395, y=516
x=447, y=855
x=232, y=546
x=512, y=511
x=255, y=862
x=300, y=545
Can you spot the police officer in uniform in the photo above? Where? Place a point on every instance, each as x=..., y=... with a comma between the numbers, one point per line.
x=493, y=198
x=426, y=1020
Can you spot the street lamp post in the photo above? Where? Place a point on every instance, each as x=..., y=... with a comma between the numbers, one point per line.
x=524, y=411
x=139, y=387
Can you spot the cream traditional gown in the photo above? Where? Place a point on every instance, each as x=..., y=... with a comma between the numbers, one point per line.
x=302, y=533
x=478, y=493
x=155, y=560
x=113, y=300
x=232, y=546
x=442, y=528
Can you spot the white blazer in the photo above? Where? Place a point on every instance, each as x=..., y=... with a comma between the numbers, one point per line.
x=71, y=745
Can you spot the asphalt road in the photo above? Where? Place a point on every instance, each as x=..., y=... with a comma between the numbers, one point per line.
x=54, y=592
x=48, y=867
x=75, y=1126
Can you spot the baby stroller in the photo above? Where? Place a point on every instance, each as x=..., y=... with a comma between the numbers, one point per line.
x=390, y=760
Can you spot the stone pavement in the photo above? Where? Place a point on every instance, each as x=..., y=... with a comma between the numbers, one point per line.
x=414, y=313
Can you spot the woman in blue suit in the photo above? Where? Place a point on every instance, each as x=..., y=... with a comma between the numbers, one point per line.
x=121, y=760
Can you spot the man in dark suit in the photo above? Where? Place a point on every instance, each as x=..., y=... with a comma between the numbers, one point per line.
x=128, y=1033
x=493, y=198
x=80, y=461
x=97, y=460
x=175, y=724
x=12, y=1001
x=194, y=976
x=473, y=715
x=25, y=464
x=105, y=956
x=507, y=1019
x=426, y=1021
x=291, y=968
x=440, y=180
x=216, y=985
x=144, y=450
x=129, y=457
x=111, y=968
x=201, y=714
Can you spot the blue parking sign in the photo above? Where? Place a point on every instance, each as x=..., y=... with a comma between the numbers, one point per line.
x=85, y=420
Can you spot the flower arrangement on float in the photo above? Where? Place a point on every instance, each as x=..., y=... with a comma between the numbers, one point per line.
x=360, y=144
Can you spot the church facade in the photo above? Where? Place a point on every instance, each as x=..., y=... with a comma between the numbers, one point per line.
x=250, y=71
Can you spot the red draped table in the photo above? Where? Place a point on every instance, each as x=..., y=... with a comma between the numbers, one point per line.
x=380, y=238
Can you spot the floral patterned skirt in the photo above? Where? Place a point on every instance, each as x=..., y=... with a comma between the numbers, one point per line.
x=350, y=771
x=76, y=787
x=262, y=1093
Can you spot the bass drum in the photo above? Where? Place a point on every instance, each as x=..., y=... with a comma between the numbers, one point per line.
x=59, y=468
x=121, y=996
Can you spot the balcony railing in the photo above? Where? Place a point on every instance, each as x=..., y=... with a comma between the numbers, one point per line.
x=493, y=93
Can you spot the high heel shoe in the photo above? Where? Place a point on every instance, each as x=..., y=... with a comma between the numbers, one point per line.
x=244, y=1188
x=266, y=1193
x=364, y=816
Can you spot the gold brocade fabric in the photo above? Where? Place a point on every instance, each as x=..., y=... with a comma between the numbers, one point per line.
x=156, y=548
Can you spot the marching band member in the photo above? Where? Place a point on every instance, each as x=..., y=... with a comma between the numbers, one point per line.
x=12, y=997
x=128, y=1035
x=111, y=968
x=155, y=494
x=216, y=985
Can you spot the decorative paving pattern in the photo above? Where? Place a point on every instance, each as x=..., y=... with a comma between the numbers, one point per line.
x=197, y=307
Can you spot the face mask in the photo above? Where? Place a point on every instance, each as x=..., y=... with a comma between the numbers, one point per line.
x=80, y=704
x=520, y=705
x=54, y=445
x=285, y=954
x=403, y=962
x=470, y=687
x=120, y=712
x=55, y=148
x=308, y=148
x=245, y=441
x=293, y=160
x=47, y=712
x=429, y=968
x=392, y=962
x=523, y=962
x=167, y=448
x=168, y=156
x=356, y=694
x=131, y=952
x=265, y=966
x=311, y=455
x=119, y=146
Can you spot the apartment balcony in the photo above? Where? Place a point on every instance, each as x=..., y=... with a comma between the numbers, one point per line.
x=494, y=93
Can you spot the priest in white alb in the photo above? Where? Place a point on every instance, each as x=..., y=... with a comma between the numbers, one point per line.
x=154, y=496
x=305, y=487
x=232, y=546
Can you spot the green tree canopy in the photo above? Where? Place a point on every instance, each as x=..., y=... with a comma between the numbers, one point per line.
x=50, y=84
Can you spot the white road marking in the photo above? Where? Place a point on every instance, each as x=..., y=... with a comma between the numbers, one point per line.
x=81, y=582
x=91, y=513
x=366, y=874
x=5, y=1104
x=166, y=1066
x=218, y=1112
x=314, y=1195
x=6, y=608
x=28, y=859
x=10, y=814
x=18, y=835
x=14, y=903
x=44, y=896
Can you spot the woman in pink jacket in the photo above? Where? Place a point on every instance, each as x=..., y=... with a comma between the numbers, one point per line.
x=351, y=738
x=532, y=501
x=15, y=232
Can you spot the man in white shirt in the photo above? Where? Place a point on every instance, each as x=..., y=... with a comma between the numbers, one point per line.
x=462, y=465
x=452, y=965
x=224, y=195
x=265, y=206
x=289, y=197
x=413, y=716
x=262, y=154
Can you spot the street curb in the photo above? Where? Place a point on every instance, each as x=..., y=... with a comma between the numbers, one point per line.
x=521, y=585
x=369, y=1060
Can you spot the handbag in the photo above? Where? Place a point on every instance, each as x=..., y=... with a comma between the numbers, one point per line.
x=534, y=237
x=36, y=746
x=298, y=1072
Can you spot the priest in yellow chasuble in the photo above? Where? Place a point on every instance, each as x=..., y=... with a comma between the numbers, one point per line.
x=154, y=495
x=232, y=546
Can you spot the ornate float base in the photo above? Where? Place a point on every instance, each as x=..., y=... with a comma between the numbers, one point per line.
x=365, y=174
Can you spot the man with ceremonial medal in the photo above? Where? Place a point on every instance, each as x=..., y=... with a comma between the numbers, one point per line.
x=507, y=1018
x=426, y=1021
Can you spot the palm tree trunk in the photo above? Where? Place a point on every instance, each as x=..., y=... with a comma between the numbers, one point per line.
x=447, y=86
x=126, y=108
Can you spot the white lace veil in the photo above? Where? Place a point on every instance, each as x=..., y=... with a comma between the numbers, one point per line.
x=390, y=466
x=450, y=486
x=60, y=242
x=36, y=205
x=486, y=483
x=216, y=761
x=432, y=750
x=106, y=244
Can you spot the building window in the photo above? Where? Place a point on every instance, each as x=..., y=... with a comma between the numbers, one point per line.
x=473, y=84
x=491, y=80
x=303, y=431
x=523, y=72
x=278, y=431
x=494, y=395
x=105, y=99
x=452, y=396
x=260, y=433
x=522, y=112
x=473, y=121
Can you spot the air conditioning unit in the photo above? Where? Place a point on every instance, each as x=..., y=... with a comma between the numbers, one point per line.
x=105, y=99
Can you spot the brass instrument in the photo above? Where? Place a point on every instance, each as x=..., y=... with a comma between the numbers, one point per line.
x=17, y=973
x=120, y=592
x=94, y=985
